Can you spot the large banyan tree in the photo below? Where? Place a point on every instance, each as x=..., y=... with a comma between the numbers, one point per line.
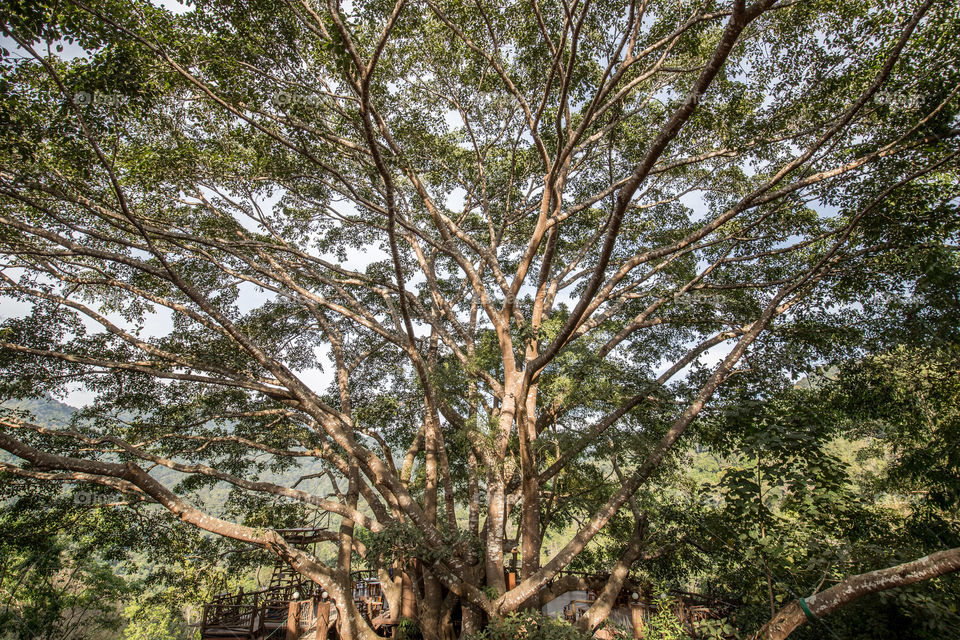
x=480, y=264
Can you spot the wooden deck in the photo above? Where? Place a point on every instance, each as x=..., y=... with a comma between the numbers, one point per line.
x=289, y=602
x=260, y=614
x=297, y=607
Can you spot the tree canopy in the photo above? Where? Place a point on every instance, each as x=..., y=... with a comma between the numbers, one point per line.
x=479, y=265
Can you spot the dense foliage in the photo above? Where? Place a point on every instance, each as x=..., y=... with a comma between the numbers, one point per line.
x=834, y=479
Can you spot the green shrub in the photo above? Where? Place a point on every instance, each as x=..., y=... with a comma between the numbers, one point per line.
x=529, y=625
x=665, y=625
x=407, y=629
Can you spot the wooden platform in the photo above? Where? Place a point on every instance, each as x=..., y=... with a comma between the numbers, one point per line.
x=260, y=614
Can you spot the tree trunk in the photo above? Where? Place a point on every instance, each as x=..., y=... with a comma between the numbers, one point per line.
x=600, y=610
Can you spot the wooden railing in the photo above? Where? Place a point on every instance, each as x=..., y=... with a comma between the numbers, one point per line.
x=249, y=612
x=240, y=613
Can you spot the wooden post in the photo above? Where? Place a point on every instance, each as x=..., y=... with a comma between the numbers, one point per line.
x=323, y=620
x=636, y=619
x=256, y=615
x=293, y=624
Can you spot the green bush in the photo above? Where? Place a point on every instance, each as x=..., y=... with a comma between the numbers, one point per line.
x=152, y=622
x=664, y=624
x=529, y=625
x=407, y=629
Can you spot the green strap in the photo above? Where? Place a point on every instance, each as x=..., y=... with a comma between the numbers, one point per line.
x=806, y=609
